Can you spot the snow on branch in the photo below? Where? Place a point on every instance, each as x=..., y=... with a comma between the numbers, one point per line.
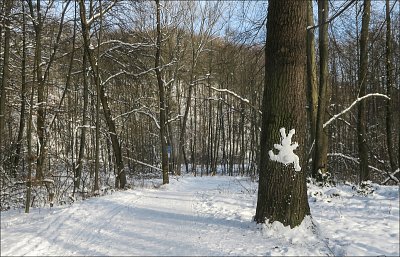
x=223, y=90
x=126, y=113
x=122, y=43
x=143, y=163
x=100, y=14
x=344, y=157
x=113, y=76
x=352, y=105
x=286, y=148
x=174, y=119
x=391, y=176
x=140, y=110
x=355, y=160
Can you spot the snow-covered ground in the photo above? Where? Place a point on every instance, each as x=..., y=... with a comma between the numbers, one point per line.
x=205, y=216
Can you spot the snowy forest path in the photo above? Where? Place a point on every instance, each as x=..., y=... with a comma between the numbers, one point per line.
x=204, y=216
x=66, y=228
x=177, y=220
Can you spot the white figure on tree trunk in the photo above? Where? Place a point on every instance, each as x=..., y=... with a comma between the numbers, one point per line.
x=286, y=148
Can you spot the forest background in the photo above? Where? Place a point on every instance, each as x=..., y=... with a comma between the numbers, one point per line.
x=90, y=89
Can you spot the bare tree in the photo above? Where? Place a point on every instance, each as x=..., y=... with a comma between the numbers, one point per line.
x=362, y=83
x=161, y=94
x=389, y=88
x=86, y=24
x=6, y=69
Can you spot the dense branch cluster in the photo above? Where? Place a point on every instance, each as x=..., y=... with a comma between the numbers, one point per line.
x=68, y=105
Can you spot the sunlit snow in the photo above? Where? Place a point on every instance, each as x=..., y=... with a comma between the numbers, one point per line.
x=206, y=216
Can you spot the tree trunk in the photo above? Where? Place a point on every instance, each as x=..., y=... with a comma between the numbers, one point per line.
x=321, y=136
x=362, y=83
x=120, y=174
x=312, y=89
x=41, y=108
x=6, y=72
x=389, y=86
x=161, y=93
x=282, y=193
x=181, y=150
x=23, y=95
x=78, y=168
x=29, y=129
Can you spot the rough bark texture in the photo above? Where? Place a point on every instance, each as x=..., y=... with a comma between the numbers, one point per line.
x=362, y=82
x=282, y=193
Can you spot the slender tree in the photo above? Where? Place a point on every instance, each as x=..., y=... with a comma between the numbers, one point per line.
x=282, y=193
x=120, y=174
x=23, y=95
x=161, y=94
x=321, y=136
x=362, y=84
x=41, y=110
x=389, y=86
x=312, y=88
x=5, y=69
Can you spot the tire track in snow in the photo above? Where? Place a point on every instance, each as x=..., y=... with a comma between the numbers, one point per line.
x=102, y=220
x=59, y=222
x=30, y=244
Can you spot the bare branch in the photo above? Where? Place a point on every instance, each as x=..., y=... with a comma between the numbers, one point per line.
x=237, y=96
x=143, y=163
x=100, y=14
x=352, y=105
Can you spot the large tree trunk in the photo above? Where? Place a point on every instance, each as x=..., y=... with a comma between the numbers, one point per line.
x=362, y=82
x=282, y=193
x=161, y=93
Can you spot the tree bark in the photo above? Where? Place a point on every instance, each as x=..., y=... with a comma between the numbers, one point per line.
x=29, y=127
x=282, y=193
x=312, y=89
x=6, y=72
x=161, y=94
x=389, y=86
x=120, y=173
x=362, y=83
x=41, y=108
x=321, y=136
x=23, y=95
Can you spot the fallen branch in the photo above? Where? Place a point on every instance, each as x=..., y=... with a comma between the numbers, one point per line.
x=391, y=176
